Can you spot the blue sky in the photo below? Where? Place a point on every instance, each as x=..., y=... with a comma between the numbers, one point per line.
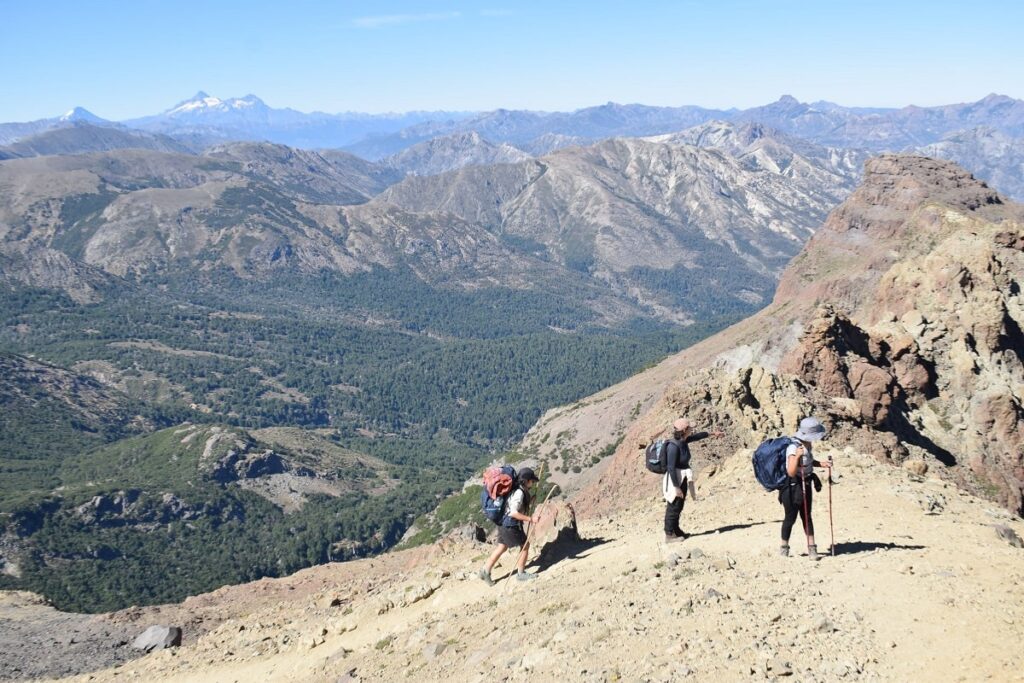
x=127, y=59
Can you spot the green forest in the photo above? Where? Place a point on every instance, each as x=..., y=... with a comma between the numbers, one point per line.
x=440, y=381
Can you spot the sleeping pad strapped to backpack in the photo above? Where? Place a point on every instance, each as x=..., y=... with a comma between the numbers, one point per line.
x=498, y=484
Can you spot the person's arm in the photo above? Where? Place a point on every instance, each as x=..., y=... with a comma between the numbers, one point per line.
x=793, y=460
x=718, y=433
x=516, y=514
x=697, y=436
x=523, y=518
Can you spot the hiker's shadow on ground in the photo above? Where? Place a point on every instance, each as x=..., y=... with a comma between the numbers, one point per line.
x=730, y=527
x=868, y=546
x=553, y=553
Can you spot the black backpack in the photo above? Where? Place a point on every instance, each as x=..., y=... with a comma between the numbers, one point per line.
x=656, y=456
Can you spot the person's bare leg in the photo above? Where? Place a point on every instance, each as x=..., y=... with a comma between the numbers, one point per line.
x=485, y=571
x=493, y=559
x=524, y=554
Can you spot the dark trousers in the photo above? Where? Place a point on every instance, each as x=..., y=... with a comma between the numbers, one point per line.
x=672, y=512
x=792, y=498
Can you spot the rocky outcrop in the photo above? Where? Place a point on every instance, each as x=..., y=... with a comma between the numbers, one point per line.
x=237, y=465
x=158, y=638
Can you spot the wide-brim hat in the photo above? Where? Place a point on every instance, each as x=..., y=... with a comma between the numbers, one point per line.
x=811, y=429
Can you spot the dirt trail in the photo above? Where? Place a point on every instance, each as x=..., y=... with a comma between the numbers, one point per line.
x=921, y=589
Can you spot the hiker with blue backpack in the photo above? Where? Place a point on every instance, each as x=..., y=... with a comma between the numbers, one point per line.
x=786, y=464
x=510, y=501
x=671, y=458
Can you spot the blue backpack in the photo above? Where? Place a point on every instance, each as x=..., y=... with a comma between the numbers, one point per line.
x=770, y=462
x=499, y=483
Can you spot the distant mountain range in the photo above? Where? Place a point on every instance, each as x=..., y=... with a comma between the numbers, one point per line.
x=427, y=143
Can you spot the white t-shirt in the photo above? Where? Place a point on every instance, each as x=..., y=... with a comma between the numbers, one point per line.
x=805, y=467
x=515, y=502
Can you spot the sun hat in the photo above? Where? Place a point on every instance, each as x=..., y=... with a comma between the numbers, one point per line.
x=681, y=425
x=811, y=429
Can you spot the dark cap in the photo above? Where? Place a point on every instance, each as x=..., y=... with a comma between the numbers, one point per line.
x=526, y=474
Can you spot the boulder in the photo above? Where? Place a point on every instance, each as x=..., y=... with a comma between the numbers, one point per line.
x=1009, y=535
x=918, y=467
x=158, y=638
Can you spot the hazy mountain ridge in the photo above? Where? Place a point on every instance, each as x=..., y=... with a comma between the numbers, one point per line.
x=875, y=129
x=451, y=152
x=990, y=154
x=82, y=138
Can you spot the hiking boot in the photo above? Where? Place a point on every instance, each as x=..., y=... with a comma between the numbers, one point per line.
x=784, y=550
x=486, y=576
x=672, y=538
x=524, y=576
x=812, y=552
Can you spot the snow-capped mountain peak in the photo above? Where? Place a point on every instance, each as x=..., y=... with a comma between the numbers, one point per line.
x=80, y=114
x=202, y=103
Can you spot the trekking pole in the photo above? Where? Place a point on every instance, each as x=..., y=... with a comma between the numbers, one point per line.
x=831, y=528
x=533, y=527
x=540, y=477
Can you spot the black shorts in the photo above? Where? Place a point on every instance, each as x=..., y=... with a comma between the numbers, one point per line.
x=511, y=536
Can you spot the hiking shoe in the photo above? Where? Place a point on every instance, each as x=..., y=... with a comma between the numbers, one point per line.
x=525, y=576
x=486, y=576
x=812, y=552
x=784, y=550
x=672, y=538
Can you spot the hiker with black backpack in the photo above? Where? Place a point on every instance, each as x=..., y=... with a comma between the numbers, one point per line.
x=678, y=476
x=796, y=494
x=510, y=529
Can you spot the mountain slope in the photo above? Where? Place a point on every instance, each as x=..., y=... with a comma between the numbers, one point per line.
x=989, y=153
x=334, y=179
x=645, y=217
x=892, y=596
x=85, y=137
x=451, y=152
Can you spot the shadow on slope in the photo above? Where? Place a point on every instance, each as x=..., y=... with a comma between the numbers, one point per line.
x=553, y=553
x=868, y=546
x=733, y=527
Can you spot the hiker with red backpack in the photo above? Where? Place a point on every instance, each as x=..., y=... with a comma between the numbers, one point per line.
x=796, y=495
x=515, y=510
x=674, y=454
